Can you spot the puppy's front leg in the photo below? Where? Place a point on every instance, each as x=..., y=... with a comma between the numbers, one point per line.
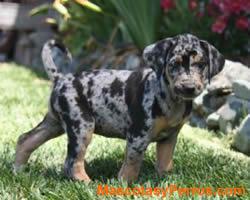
x=133, y=159
x=164, y=154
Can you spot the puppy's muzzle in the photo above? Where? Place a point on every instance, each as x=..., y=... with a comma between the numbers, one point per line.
x=188, y=90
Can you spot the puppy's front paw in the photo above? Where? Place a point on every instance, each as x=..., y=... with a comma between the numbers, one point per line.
x=128, y=173
x=82, y=177
x=17, y=168
x=162, y=170
x=77, y=172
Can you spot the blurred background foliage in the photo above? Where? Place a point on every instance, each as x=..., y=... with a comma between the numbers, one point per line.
x=86, y=25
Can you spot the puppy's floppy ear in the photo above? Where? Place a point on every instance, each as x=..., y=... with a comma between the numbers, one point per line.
x=216, y=60
x=155, y=55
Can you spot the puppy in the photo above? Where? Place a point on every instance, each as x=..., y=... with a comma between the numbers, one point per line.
x=143, y=106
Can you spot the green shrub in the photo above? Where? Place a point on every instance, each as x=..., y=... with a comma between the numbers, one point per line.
x=143, y=22
x=141, y=18
x=86, y=26
x=123, y=20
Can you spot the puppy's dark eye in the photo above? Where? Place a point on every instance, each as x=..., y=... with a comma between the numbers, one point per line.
x=201, y=65
x=193, y=53
x=173, y=63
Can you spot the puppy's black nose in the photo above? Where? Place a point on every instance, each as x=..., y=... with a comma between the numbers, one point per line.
x=189, y=89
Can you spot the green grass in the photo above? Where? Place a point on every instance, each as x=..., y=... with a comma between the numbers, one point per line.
x=201, y=158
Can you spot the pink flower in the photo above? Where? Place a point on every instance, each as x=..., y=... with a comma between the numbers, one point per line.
x=233, y=6
x=220, y=24
x=219, y=4
x=246, y=6
x=167, y=4
x=192, y=4
x=242, y=23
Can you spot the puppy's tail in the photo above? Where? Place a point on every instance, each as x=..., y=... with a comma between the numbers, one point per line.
x=56, y=58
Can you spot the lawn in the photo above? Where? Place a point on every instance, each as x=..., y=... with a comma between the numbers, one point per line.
x=201, y=159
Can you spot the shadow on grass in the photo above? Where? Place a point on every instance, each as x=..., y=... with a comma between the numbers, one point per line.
x=39, y=73
x=99, y=169
x=104, y=168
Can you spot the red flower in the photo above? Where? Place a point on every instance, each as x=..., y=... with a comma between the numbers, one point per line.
x=242, y=23
x=231, y=6
x=192, y=4
x=246, y=5
x=167, y=4
x=219, y=4
x=220, y=24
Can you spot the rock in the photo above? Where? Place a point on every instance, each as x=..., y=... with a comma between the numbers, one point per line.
x=213, y=120
x=215, y=94
x=197, y=121
x=241, y=89
x=225, y=126
x=242, y=138
x=222, y=83
x=241, y=105
x=231, y=113
x=199, y=104
x=207, y=103
x=214, y=101
x=227, y=118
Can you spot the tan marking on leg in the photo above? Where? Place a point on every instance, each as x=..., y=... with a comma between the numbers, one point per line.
x=129, y=172
x=160, y=124
x=78, y=169
x=164, y=153
x=164, y=158
x=79, y=172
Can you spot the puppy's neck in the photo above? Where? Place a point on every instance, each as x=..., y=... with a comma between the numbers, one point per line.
x=169, y=102
x=165, y=90
x=165, y=96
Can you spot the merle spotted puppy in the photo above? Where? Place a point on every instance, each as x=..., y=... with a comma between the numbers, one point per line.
x=148, y=105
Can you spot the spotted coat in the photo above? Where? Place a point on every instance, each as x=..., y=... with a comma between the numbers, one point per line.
x=142, y=106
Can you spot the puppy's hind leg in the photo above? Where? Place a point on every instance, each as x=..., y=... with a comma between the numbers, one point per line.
x=28, y=142
x=79, y=137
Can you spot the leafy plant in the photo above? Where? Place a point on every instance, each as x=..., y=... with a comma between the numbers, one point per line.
x=82, y=22
x=143, y=22
x=86, y=26
x=137, y=21
x=141, y=18
x=219, y=21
